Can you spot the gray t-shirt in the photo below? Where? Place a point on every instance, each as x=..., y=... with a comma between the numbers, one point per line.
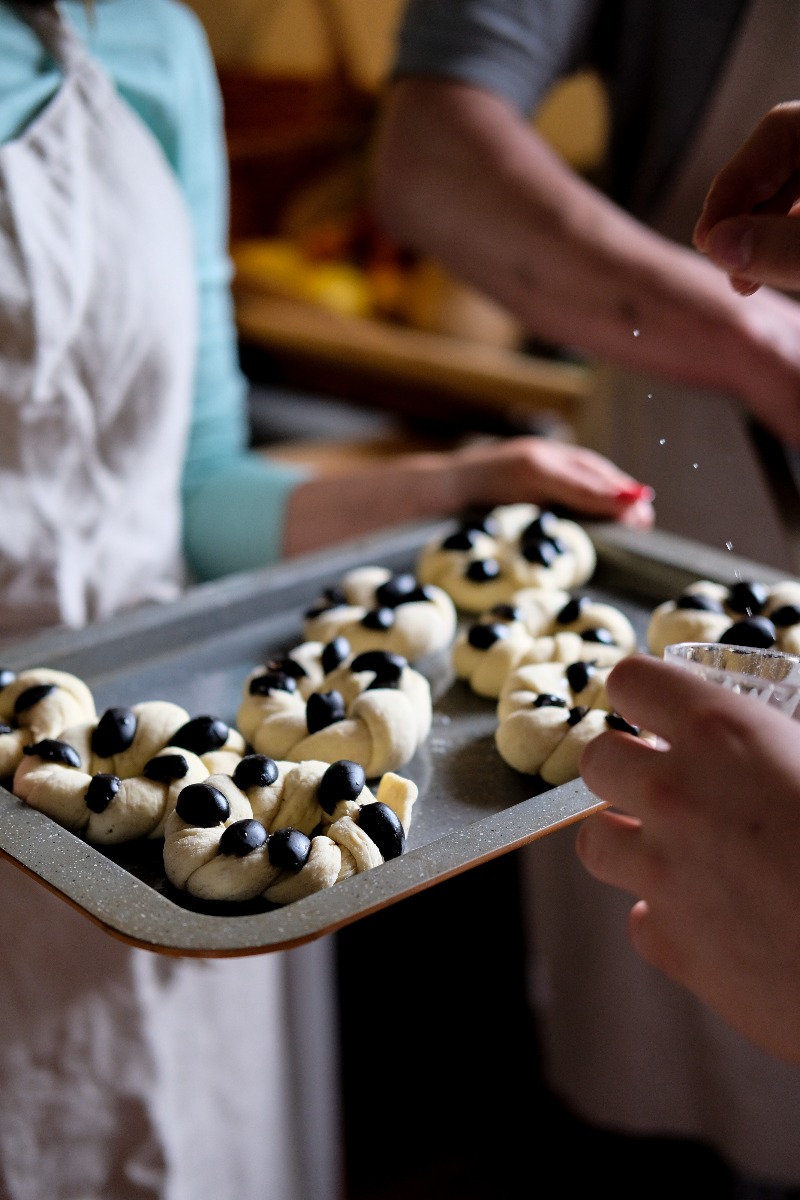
x=658, y=61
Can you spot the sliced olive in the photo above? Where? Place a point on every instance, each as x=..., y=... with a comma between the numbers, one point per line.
x=383, y=825
x=343, y=780
x=100, y=792
x=241, y=838
x=255, y=770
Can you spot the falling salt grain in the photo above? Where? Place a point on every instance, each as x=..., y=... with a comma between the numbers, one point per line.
x=695, y=465
x=636, y=333
x=729, y=545
x=662, y=441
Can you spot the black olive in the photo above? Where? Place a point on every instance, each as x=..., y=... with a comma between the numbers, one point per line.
x=383, y=825
x=388, y=667
x=483, y=634
x=324, y=709
x=757, y=632
x=255, y=770
x=577, y=714
x=288, y=849
x=463, y=540
x=571, y=610
x=343, y=780
x=378, y=618
x=241, y=838
x=615, y=721
x=578, y=675
x=51, y=750
x=747, y=598
x=334, y=654
x=545, y=525
x=507, y=612
x=332, y=597
x=284, y=664
x=272, y=681
x=548, y=700
x=166, y=768
x=32, y=695
x=787, y=614
x=696, y=602
x=101, y=791
x=600, y=637
x=201, y=735
x=395, y=590
x=544, y=552
x=482, y=570
x=203, y=805
x=114, y=732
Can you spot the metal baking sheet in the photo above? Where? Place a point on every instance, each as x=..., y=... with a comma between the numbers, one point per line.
x=197, y=652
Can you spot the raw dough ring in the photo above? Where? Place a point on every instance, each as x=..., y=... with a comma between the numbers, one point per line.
x=744, y=614
x=547, y=713
x=219, y=846
x=102, y=807
x=116, y=779
x=373, y=708
x=515, y=546
x=541, y=625
x=376, y=609
x=38, y=703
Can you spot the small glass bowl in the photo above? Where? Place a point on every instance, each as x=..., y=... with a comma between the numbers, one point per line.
x=770, y=676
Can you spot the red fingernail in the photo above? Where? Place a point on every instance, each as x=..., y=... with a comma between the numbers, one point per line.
x=636, y=491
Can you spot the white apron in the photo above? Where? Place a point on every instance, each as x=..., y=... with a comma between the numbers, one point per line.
x=124, y=1075
x=692, y=445
x=624, y=1047
x=97, y=341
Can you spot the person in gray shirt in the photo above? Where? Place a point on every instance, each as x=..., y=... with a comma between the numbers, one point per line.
x=605, y=266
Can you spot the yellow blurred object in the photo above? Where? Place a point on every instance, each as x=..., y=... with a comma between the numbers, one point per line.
x=437, y=303
x=279, y=266
x=338, y=286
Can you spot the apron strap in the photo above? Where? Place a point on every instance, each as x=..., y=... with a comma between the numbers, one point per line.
x=55, y=32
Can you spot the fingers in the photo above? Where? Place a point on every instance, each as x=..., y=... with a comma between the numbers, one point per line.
x=757, y=249
x=746, y=226
x=610, y=847
x=760, y=176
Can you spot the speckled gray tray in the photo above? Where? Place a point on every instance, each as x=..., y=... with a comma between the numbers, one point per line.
x=197, y=653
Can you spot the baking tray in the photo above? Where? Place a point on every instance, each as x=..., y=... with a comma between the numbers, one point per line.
x=198, y=651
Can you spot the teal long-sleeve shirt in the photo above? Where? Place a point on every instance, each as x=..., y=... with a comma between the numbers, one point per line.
x=158, y=56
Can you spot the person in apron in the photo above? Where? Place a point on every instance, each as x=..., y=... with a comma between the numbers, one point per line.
x=123, y=1074
x=462, y=175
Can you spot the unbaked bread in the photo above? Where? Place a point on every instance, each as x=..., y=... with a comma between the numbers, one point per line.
x=116, y=780
x=743, y=614
x=483, y=562
x=320, y=824
x=540, y=625
x=547, y=713
x=38, y=703
x=373, y=707
x=376, y=609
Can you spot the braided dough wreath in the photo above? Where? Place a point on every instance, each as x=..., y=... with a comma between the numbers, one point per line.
x=515, y=546
x=35, y=704
x=540, y=625
x=372, y=707
x=378, y=610
x=282, y=830
x=548, y=712
x=744, y=614
x=116, y=780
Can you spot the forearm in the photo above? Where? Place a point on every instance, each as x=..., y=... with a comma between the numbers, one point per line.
x=417, y=487
x=461, y=177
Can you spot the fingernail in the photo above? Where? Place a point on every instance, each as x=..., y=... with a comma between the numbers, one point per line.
x=636, y=491
x=730, y=246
